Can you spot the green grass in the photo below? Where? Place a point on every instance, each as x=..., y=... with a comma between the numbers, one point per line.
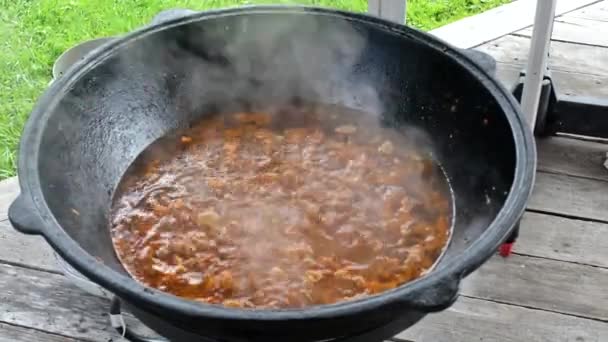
x=33, y=33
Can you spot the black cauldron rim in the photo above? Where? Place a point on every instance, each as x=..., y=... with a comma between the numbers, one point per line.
x=433, y=292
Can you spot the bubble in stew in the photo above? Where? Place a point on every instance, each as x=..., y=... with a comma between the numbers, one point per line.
x=282, y=209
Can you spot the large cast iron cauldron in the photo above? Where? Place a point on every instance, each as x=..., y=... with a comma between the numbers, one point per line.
x=92, y=123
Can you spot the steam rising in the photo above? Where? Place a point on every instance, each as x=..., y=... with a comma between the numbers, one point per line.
x=172, y=78
x=276, y=61
x=273, y=64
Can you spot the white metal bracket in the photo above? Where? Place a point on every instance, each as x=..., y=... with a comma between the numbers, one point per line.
x=537, y=59
x=393, y=10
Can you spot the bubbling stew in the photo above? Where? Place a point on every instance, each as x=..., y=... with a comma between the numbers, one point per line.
x=282, y=209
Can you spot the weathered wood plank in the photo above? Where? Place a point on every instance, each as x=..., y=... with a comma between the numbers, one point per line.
x=29, y=250
x=497, y=22
x=570, y=84
x=577, y=30
x=14, y=333
x=9, y=189
x=572, y=157
x=565, y=195
x=48, y=302
x=472, y=319
x=598, y=11
x=567, y=57
x=564, y=239
x=567, y=83
x=542, y=283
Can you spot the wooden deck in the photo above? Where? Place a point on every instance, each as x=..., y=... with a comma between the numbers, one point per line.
x=555, y=287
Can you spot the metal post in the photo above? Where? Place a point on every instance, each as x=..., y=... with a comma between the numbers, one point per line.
x=537, y=60
x=393, y=10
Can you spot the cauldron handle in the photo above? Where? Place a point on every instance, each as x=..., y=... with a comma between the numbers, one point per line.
x=171, y=14
x=436, y=298
x=24, y=216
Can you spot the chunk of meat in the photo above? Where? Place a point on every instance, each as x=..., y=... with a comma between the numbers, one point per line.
x=386, y=147
x=346, y=129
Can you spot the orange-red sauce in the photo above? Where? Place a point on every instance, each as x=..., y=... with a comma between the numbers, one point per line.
x=287, y=210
